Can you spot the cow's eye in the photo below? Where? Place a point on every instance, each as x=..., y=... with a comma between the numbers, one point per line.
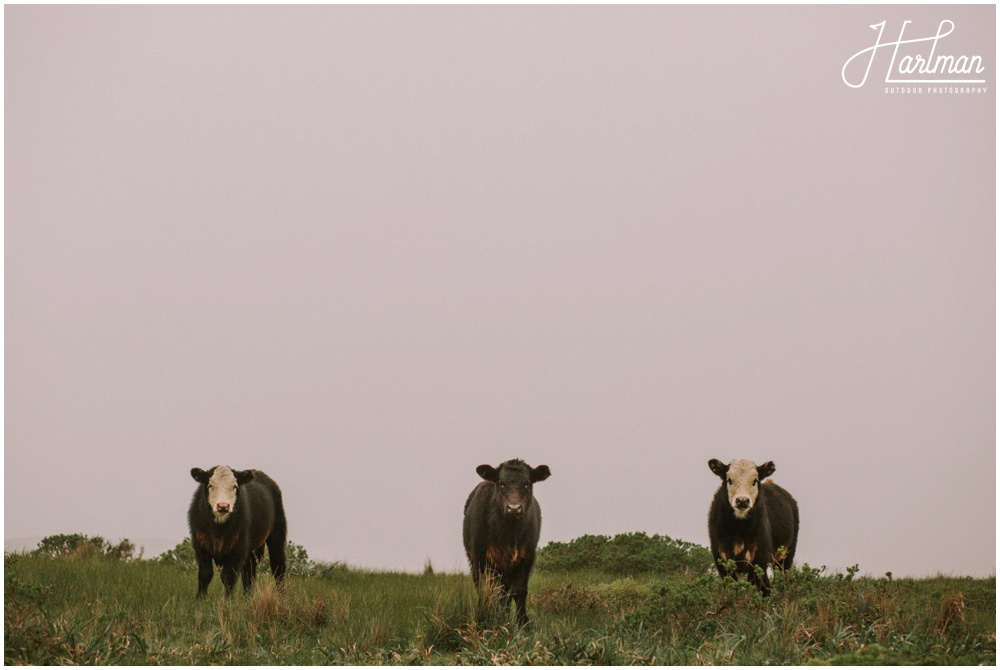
x=729, y=481
x=755, y=482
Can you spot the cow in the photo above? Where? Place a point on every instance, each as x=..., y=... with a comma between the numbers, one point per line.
x=753, y=523
x=233, y=515
x=500, y=530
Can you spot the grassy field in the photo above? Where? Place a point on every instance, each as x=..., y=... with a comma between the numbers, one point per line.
x=90, y=609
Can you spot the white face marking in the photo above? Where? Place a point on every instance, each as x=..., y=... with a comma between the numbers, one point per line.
x=222, y=493
x=742, y=487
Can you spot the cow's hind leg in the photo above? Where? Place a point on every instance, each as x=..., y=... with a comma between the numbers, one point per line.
x=760, y=578
x=276, y=544
x=506, y=598
x=276, y=554
x=250, y=568
x=277, y=540
x=228, y=577
x=786, y=563
x=720, y=560
x=258, y=556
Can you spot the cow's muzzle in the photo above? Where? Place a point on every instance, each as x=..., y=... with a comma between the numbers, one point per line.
x=742, y=503
x=514, y=509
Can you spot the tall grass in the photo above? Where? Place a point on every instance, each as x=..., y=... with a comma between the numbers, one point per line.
x=83, y=610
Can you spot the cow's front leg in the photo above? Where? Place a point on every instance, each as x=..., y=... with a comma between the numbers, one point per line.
x=518, y=590
x=205, y=573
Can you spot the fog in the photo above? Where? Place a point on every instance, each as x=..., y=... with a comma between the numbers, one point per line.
x=366, y=249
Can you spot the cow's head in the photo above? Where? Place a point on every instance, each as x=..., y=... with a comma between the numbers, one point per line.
x=742, y=480
x=513, y=481
x=220, y=487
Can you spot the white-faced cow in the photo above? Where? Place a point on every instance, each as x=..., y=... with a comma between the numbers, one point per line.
x=751, y=521
x=501, y=528
x=234, y=514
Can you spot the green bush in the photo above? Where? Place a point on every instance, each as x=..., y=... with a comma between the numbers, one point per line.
x=182, y=555
x=679, y=604
x=617, y=597
x=625, y=554
x=297, y=561
x=81, y=546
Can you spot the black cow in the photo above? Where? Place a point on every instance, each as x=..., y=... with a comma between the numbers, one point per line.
x=501, y=527
x=233, y=515
x=751, y=521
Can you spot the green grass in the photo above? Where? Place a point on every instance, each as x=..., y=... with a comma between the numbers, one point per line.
x=85, y=610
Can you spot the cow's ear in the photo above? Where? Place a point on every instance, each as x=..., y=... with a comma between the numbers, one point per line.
x=489, y=473
x=243, y=476
x=541, y=473
x=199, y=475
x=718, y=467
x=766, y=470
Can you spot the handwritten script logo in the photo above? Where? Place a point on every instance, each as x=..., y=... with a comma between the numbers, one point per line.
x=915, y=67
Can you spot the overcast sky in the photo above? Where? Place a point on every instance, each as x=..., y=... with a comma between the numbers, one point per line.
x=366, y=249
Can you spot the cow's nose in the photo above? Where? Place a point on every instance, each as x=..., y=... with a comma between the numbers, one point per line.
x=222, y=507
x=743, y=503
x=515, y=509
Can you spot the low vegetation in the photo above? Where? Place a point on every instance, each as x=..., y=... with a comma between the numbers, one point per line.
x=81, y=546
x=596, y=600
x=625, y=554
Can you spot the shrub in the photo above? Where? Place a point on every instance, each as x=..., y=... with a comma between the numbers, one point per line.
x=618, y=597
x=297, y=561
x=81, y=546
x=625, y=554
x=182, y=555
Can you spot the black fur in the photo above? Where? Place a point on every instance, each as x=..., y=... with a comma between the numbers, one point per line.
x=257, y=519
x=500, y=537
x=772, y=522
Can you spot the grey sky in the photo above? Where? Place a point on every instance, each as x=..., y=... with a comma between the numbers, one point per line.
x=366, y=249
